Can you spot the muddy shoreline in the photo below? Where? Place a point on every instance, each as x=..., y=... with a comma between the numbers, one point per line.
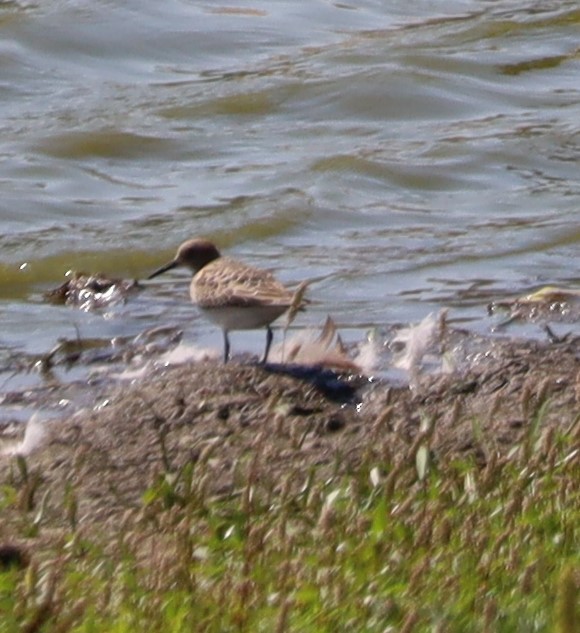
x=222, y=420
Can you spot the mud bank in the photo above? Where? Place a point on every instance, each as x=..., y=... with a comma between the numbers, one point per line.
x=227, y=421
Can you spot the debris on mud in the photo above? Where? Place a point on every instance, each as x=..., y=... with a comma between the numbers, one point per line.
x=547, y=304
x=91, y=291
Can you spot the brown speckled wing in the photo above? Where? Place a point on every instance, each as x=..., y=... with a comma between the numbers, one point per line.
x=228, y=282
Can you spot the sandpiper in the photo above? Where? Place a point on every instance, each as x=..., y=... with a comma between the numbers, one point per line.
x=230, y=293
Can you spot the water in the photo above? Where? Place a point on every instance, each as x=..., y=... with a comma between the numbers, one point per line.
x=409, y=156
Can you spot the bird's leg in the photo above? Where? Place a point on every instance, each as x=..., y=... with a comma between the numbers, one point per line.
x=226, y=347
x=269, y=337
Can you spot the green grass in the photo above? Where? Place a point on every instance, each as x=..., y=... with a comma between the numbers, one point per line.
x=404, y=543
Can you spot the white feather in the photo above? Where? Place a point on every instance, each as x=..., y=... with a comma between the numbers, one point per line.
x=34, y=434
x=417, y=340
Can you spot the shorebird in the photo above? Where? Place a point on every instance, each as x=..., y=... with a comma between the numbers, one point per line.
x=232, y=294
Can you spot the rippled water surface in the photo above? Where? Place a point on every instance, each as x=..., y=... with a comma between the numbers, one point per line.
x=408, y=156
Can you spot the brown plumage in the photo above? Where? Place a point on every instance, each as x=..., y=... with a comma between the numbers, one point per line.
x=230, y=293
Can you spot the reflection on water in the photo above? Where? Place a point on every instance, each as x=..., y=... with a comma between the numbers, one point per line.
x=400, y=155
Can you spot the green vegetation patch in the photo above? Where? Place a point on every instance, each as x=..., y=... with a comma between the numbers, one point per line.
x=404, y=542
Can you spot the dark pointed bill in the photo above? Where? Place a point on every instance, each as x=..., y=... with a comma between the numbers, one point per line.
x=159, y=271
